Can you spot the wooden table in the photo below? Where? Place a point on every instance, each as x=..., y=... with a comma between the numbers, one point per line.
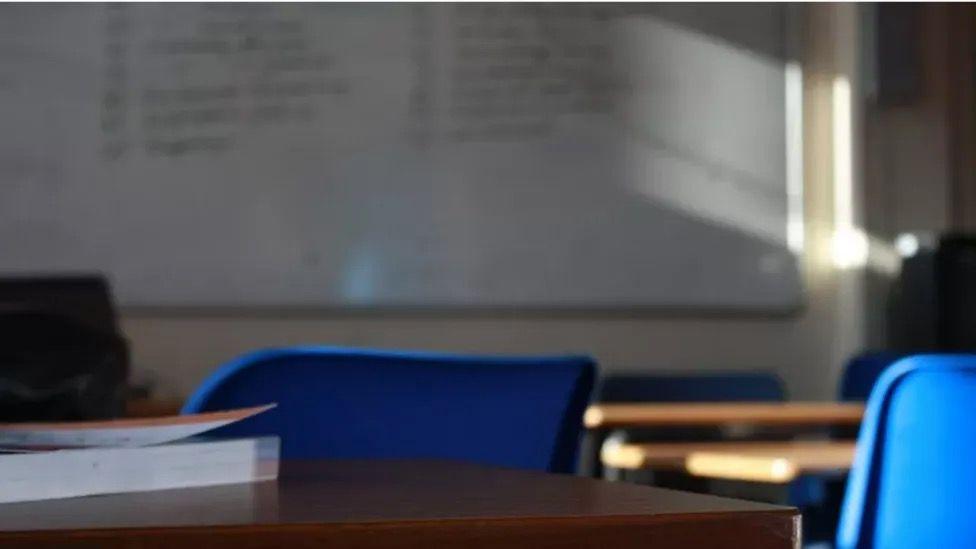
x=400, y=504
x=773, y=414
x=773, y=462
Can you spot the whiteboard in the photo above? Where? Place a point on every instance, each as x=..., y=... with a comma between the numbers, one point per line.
x=402, y=155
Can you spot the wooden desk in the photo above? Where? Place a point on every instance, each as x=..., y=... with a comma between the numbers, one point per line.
x=660, y=455
x=791, y=414
x=773, y=462
x=400, y=504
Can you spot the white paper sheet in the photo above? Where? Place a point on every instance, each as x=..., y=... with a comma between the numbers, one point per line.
x=120, y=432
x=90, y=471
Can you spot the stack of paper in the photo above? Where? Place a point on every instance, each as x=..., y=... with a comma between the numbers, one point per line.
x=59, y=460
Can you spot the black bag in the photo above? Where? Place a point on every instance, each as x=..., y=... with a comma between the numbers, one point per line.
x=54, y=367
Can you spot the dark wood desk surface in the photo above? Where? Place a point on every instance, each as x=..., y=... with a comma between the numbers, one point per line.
x=393, y=504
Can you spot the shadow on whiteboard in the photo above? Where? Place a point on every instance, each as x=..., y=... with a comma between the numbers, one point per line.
x=705, y=128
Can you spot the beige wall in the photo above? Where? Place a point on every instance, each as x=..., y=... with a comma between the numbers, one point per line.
x=180, y=351
x=806, y=349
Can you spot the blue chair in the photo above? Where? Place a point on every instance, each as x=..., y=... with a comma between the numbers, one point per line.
x=860, y=374
x=913, y=478
x=863, y=371
x=522, y=412
x=706, y=387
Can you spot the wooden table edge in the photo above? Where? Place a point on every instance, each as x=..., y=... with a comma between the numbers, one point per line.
x=726, y=459
x=769, y=469
x=697, y=414
x=577, y=519
x=461, y=528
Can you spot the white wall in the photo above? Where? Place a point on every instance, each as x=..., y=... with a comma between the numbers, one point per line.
x=806, y=349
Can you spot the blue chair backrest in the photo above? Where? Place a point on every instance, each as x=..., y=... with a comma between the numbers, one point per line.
x=914, y=477
x=718, y=387
x=863, y=371
x=523, y=412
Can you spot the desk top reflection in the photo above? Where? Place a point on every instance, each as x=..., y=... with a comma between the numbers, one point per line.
x=394, y=503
